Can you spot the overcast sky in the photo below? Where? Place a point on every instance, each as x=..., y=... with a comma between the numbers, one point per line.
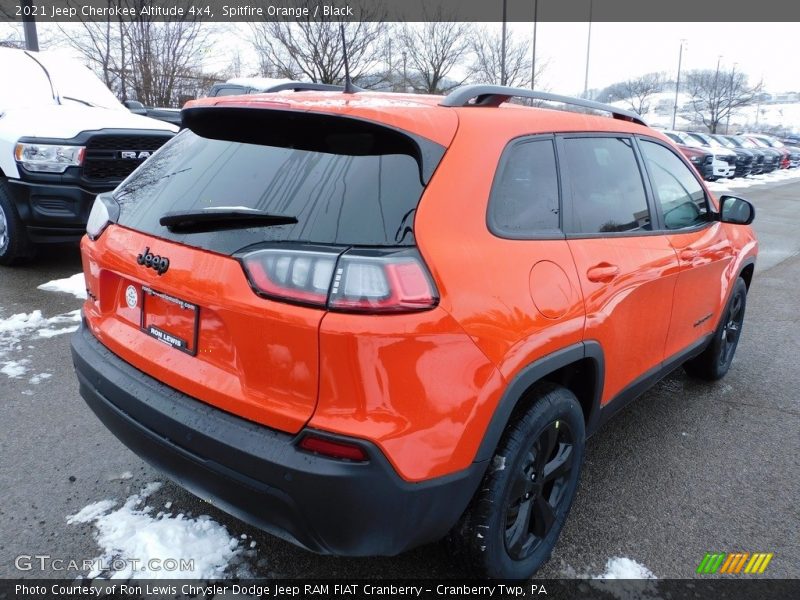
x=623, y=50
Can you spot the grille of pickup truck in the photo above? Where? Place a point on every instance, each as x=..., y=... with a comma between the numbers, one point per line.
x=114, y=157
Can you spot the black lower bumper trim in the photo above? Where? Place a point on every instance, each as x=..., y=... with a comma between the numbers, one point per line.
x=53, y=212
x=259, y=475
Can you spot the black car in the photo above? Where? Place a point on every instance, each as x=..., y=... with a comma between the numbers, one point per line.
x=746, y=162
x=772, y=158
x=741, y=162
x=760, y=163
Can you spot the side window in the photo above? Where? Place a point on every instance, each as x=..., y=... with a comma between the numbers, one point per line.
x=524, y=197
x=682, y=199
x=605, y=185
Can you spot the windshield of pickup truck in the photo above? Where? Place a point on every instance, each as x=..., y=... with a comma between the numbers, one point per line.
x=25, y=82
x=28, y=83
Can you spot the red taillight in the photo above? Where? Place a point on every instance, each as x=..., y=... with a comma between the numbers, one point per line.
x=333, y=449
x=358, y=280
x=296, y=275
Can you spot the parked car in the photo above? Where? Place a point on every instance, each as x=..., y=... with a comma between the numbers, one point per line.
x=760, y=164
x=746, y=162
x=701, y=160
x=280, y=316
x=791, y=140
x=772, y=158
x=791, y=154
x=258, y=85
x=64, y=138
x=783, y=156
x=731, y=156
x=168, y=115
x=724, y=160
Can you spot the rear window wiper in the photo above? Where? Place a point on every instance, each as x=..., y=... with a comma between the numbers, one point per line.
x=221, y=218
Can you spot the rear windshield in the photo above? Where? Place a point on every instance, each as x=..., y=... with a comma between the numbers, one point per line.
x=340, y=199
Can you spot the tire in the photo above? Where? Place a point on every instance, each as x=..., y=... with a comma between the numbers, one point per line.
x=513, y=522
x=713, y=363
x=14, y=243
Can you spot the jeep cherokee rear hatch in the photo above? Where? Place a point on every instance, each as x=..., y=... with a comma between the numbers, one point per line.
x=232, y=242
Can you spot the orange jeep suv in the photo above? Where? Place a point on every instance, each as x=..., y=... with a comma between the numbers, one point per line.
x=367, y=321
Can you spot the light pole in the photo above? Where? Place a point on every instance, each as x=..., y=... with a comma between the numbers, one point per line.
x=29, y=27
x=503, y=46
x=677, y=84
x=405, y=79
x=588, y=47
x=533, y=57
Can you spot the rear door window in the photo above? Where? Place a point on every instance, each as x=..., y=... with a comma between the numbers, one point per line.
x=338, y=199
x=525, y=198
x=605, y=186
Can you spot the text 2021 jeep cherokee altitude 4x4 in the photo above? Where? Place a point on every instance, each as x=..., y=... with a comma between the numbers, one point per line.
x=365, y=321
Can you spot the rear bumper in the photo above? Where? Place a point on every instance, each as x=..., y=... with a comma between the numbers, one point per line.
x=52, y=212
x=259, y=475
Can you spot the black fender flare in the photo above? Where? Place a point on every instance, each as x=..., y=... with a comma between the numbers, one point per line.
x=529, y=376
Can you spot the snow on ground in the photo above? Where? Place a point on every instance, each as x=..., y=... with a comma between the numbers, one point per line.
x=722, y=185
x=626, y=579
x=133, y=532
x=39, y=378
x=19, y=326
x=75, y=285
x=15, y=368
x=625, y=568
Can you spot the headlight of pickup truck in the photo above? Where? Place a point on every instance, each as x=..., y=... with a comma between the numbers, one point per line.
x=48, y=158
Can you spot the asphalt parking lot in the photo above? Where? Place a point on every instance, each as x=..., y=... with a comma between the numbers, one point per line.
x=690, y=468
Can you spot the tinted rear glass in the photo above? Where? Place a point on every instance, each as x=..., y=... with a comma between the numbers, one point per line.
x=336, y=198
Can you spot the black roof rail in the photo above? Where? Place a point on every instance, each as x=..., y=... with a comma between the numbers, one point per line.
x=300, y=86
x=495, y=95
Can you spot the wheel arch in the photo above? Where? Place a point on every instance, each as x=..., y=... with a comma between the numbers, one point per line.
x=580, y=368
x=746, y=271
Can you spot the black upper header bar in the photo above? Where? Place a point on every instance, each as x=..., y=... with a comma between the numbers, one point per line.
x=404, y=10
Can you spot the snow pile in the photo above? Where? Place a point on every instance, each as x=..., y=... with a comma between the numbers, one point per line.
x=131, y=536
x=14, y=368
x=753, y=180
x=626, y=579
x=21, y=325
x=39, y=378
x=75, y=285
x=625, y=568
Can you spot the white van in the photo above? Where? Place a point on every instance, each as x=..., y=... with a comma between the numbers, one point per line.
x=64, y=138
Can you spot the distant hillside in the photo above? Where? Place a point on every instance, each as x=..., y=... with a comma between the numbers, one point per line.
x=779, y=117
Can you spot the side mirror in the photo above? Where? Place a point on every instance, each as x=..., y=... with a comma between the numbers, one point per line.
x=737, y=211
x=135, y=107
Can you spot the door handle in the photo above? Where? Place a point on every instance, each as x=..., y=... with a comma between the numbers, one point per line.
x=602, y=273
x=688, y=254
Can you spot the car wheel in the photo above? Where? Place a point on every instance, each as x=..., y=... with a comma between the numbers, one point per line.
x=14, y=243
x=513, y=522
x=716, y=359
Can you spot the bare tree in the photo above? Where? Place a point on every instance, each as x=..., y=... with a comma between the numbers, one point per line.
x=639, y=90
x=716, y=94
x=11, y=37
x=487, y=66
x=312, y=50
x=433, y=49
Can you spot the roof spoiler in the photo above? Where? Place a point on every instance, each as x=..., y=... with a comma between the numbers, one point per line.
x=495, y=95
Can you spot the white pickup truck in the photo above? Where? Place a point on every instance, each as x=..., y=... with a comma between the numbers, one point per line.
x=64, y=138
